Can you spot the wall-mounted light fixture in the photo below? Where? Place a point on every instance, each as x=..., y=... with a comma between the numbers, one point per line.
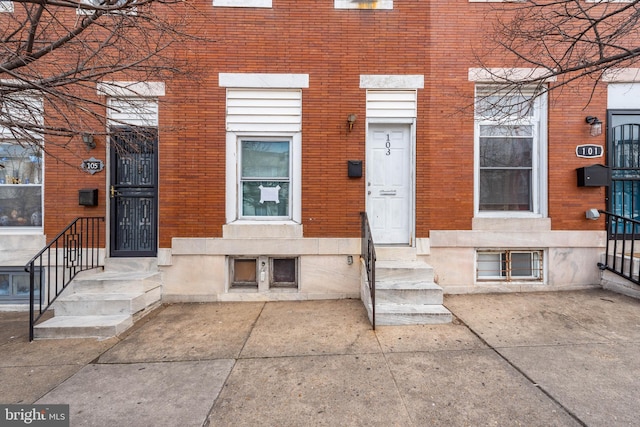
x=351, y=119
x=596, y=125
x=87, y=138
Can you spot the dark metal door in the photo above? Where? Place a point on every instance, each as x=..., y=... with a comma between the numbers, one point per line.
x=134, y=192
x=623, y=159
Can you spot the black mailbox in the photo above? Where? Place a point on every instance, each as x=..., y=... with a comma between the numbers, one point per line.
x=593, y=176
x=354, y=168
x=88, y=197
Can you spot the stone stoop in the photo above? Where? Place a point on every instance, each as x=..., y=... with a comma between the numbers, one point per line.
x=103, y=304
x=406, y=294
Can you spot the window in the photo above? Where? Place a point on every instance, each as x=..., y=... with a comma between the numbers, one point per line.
x=21, y=166
x=509, y=265
x=263, y=273
x=14, y=285
x=284, y=273
x=242, y=3
x=244, y=273
x=511, y=152
x=265, y=178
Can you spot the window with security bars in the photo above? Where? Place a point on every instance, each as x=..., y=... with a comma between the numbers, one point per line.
x=509, y=265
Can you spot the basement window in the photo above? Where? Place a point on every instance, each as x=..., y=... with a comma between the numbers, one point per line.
x=244, y=273
x=284, y=273
x=263, y=273
x=14, y=285
x=509, y=265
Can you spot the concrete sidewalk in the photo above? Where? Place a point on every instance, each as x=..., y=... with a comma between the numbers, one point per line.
x=538, y=359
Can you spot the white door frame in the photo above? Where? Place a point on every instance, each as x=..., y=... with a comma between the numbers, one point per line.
x=411, y=123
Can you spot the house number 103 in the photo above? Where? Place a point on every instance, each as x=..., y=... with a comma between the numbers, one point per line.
x=388, y=146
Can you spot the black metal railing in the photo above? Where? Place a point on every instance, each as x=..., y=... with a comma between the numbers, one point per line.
x=75, y=249
x=368, y=254
x=622, y=255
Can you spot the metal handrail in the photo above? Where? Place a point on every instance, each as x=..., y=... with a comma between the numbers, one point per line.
x=74, y=249
x=368, y=254
x=622, y=233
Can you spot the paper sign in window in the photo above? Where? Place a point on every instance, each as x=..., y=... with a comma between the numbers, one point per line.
x=269, y=194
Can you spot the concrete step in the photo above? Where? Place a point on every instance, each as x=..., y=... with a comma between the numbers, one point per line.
x=117, y=281
x=100, y=327
x=409, y=292
x=404, y=271
x=88, y=304
x=395, y=253
x=411, y=314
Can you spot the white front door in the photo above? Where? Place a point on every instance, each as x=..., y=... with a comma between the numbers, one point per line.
x=389, y=183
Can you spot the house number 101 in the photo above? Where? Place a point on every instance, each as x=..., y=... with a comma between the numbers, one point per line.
x=388, y=145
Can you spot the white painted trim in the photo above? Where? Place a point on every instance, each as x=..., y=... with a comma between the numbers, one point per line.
x=623, y=96
x=124, y=89
x=363, y=4
x=621, y=75
x=508, y=75
x=242, y=3
x=382, y=81
x=6, y=6
x=264, y=81
x=232, y=170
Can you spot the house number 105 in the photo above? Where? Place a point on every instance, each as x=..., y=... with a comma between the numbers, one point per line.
x=388, y=145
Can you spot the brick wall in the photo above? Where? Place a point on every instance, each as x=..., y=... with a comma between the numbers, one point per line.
x=434, y=39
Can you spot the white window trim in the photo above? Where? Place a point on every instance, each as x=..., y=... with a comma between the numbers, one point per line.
x=263, y=80
x=37, y=99
x=233, y=178
x=622, y=75
x=242, y=3
x=128, y=89
x=363, y=4
x=510, y=75
x=6, y=6
x=539, y=167
x=391, y=81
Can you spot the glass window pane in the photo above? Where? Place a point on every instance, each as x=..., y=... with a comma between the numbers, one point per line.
x=503, y=105
x=506, y=152
x=21, y=284
x=5, y=284
x=265, y=159
x=521, y=264
x=489, y=265
x=264, y=198
x=496, y=130
x=20, y=165
x=244, y=271
x=20, y=205
x=284, y=270
x=505, y=190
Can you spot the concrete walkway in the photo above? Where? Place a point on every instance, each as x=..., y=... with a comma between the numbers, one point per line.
x=539, y=359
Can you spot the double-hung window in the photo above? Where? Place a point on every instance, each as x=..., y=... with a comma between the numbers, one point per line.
x=510, y=151
x=265, y=178
x=21, y=164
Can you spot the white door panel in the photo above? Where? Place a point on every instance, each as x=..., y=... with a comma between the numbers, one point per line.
x=389, y=186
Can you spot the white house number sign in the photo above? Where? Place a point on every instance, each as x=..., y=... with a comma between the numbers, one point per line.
x=387, y=145
x=92, y=165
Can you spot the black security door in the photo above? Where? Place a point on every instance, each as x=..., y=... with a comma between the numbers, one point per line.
x=134, y=192
x=623, y=158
